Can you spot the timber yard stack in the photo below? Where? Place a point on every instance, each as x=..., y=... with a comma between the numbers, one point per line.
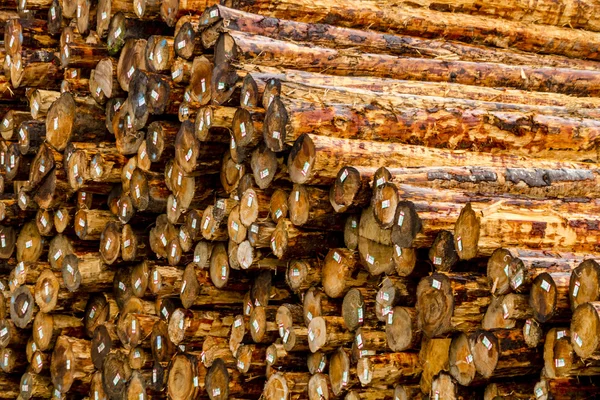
x=299, y=199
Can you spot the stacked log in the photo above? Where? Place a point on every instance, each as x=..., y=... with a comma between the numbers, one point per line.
x=276, y=199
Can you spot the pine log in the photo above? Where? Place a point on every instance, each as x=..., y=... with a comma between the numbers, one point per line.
x=317, y=159
x=316, y=303
x=424, y=22
x=327, y=333
x=503, y=353
x=447, y=302
x=548, y=297
x=565, y=388
x=444, y=387
x=71, y=362
x=434, y=356
x=187, y=42
x=289, y=385
x=374, y=42
x=584, y=328
x=240, y=46
x=396, y=119
x=584, y=283
x=388, y=369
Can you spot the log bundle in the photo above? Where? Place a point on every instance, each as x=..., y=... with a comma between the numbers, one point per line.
x=299, y=200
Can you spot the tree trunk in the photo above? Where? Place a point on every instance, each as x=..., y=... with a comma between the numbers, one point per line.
x=374, y=42
x=317, y=159
x=425, y=22
x=243, y=47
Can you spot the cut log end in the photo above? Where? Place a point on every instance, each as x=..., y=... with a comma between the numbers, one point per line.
x=435, y=304
x=407, y=224
x=585, y=325
x=353, y=309
x=22, y=306
x=466, y=233
x=301, y=159
x=486, y=351
x=344, y=190
x=339, y=371
x=442, y=253
x=460, y=358
x=543, y=297
x=498, y=271
x=384, y=203
x=584, y=285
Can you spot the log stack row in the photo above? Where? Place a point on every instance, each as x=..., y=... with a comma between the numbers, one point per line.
x=291, y=200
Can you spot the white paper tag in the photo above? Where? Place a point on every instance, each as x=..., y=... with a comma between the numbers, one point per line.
x=57, y=254
x=264, y=173
x=560, y=334
x=68, y=364
x=116, y=380
x=436, y=284
x=577, y=339
x=576, y=289
x=437, y=260
x=559, y=362
x=385, y=204
x=254, y=228
x=130, y=72
x=183, y=286
x=55, y=123
x=370, y=259
x=28, y=244
x=359, y=342
x=122, y=286
x=545, y=285
x=216, y=392
x=311, y=335
x=486, y=342
x=286, y=336
x=250, y=198
x=180, y=44
x=527, y=327
x=305, y=168
x=176, y=73
x=206, y=222
x=469, y=359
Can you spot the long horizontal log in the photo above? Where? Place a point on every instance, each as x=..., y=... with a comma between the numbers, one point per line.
x=429, y=121
x=371, y=41
x=276, y=53
x=395, y=86
x=429, y=23
x=316, y=159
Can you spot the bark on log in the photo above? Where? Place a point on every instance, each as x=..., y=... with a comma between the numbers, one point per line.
x=317, y=159
x=423, y=22
x=374, y=42
x=238, y=46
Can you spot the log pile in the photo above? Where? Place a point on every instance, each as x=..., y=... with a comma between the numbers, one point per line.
x=291, y=200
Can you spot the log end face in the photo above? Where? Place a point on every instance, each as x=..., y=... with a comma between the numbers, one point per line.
x=301, y=159
x=486, y=351
x=584, y=285
x=585, y=329
x=498, y=271
x=466, y=233
x=62, y=367
x=543, y=297
x=460, y=358
x=317, y=334
x=276, y=388
x=339, y=371
x=435, y=305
